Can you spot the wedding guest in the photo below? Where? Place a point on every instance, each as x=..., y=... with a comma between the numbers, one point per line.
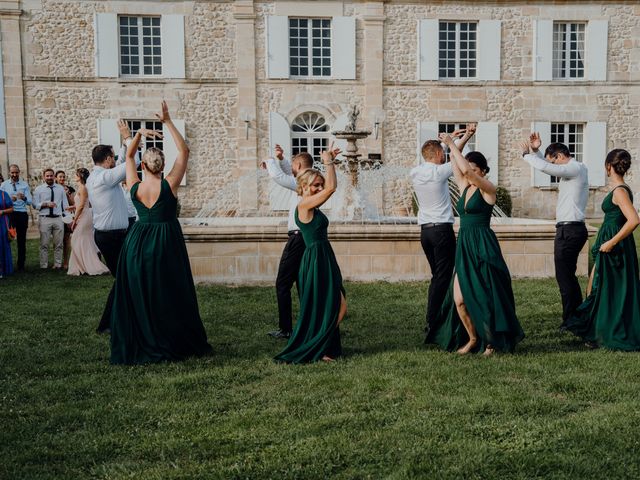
x=50, y=200
x=479, y=311
x=61, y=179
x=571, y=232
x=610, y=315
x=284, y=173
x=20, y=194
x=322, y=298
x=6, y=208
x=155, y=313
x=132, y=215
x=84, y=251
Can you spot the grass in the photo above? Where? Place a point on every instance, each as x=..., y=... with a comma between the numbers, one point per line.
x=390, y=409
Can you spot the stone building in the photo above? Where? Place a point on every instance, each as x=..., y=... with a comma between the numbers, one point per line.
x=242, y=75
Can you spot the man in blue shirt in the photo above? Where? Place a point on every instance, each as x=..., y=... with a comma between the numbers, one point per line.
x=20, y=195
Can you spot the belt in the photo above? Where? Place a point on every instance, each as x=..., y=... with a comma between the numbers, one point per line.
x=50, y=216
x=430, y=225
x=293, y=232
x=119, y=230
x=562, y=224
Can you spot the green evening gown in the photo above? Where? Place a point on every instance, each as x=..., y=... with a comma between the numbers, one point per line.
x=155, y=310
x=485, y=283
x=610, y=315
x=316, y=333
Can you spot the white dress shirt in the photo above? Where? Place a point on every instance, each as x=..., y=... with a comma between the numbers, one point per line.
x=280, y=172
x=573, y=190
x=19, y=205
x=131, y=209
x=42, y=194
x=430, y=182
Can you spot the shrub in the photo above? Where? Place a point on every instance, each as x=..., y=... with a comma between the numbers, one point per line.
x=503, y=200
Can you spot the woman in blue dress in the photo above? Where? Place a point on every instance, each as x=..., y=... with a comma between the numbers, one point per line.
x=6, y=262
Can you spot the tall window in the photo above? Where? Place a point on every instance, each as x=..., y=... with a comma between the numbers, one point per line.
x=568, y=50
x=450, y=128
x=457, y=49
x=310, y=133
x=571, y=134
x=310, y=47
x=140, y=46
x=135, y=125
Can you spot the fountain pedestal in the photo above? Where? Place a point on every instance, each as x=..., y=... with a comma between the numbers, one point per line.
x=352, y=157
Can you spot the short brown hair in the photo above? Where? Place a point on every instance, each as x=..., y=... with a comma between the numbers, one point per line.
x=305, y=158
x=430, y=149
x=48, y=170
x=305, y=178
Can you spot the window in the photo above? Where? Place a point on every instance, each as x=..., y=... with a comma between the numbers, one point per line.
x=568, y=50
x=140, y=46
x=135, y=125
x=571, y=134
x=457, y=49
x=450, y=128
x=310, y=133
x=310, y=47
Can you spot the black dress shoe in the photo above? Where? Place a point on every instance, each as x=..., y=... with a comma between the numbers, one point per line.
x=279, y=334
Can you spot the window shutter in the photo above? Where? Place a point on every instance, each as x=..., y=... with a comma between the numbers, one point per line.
x=489, y=36
x=279, y=133
x=426, y=131
x=172, y=31
x=171, y=150
x=543, y=50
x=538, y=178
x=595, y=151
x=106, y=44
x=428, y=55
x=596, y=46
x=488, y=144
x=343, y=48
x=108, y=133
x=277, y=47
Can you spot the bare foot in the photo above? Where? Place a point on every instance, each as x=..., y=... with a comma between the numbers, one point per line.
x=489, y=351
x=328, y=359
x=468, y=347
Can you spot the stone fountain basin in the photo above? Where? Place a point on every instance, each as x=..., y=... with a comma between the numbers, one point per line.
x=246, y=250
x=346, y=134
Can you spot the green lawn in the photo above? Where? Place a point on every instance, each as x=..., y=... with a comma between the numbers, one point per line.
x=390, y=409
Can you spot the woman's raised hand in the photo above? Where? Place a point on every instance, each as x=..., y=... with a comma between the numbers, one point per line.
x=163, y=116
x=330, y=154
x=145, y=132
x=446, y=139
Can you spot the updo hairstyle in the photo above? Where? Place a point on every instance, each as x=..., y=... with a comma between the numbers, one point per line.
x=306, y=178
x=153, y=158
x=83, y=174
x=619, y=160
x=479, y=160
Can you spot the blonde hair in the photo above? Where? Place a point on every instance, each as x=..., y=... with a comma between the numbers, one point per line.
x=306, y=178
x=153, y=158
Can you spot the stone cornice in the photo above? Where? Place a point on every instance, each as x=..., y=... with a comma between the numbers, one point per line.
x=4, y=12
x=374, y=18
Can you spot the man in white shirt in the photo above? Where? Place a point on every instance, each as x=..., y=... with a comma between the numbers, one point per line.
x=435, y=217
x=284, y=174
x=571, y=232
x=50, y=200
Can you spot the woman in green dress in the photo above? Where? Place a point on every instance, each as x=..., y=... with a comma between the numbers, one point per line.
x=316, y=335
x=479, y=311
x=610, y=315
x=155, y=310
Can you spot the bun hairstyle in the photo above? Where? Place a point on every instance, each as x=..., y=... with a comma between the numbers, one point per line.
x=619, y=160
x=306, y=178
x=83, y=174
x=479, y=160
x=153, y=158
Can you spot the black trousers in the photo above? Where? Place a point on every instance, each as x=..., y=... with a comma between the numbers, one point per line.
x=439, y=245
x=109, y=243
x=566, y=247
x=287, y=276
x=20, y=220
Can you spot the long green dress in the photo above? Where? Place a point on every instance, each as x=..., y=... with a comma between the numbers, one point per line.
x=316, y=333
x=155, y=310
x=610, y=315
x=485, y=283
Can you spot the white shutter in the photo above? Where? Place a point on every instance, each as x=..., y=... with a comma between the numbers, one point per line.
x=172, y=33
x=108, y=133
x=279, y=133
x=487, y=142
x=426, y=131
x=428, y=54
x=171, y=150
x=543, y=50
x=277, y=47
x=538, y=178
x=489, y=36
x=595, y=151
x=596, y=46
x=106, y=44
x=343, y=48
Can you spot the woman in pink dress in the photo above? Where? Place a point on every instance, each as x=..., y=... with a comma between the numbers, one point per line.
x=84, y=252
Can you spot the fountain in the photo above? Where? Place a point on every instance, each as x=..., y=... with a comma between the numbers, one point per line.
x=351, y=135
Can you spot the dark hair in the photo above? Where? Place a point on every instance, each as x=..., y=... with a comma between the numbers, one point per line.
x=619, y=160
x=60, y=171
x=430, y=148
x=101, y=152
x=83, y=173
x=305, y=158
x=555, y=148
x=479, y=160
x=48, y=170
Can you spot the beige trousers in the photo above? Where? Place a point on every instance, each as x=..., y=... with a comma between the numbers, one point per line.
x=51, y=228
